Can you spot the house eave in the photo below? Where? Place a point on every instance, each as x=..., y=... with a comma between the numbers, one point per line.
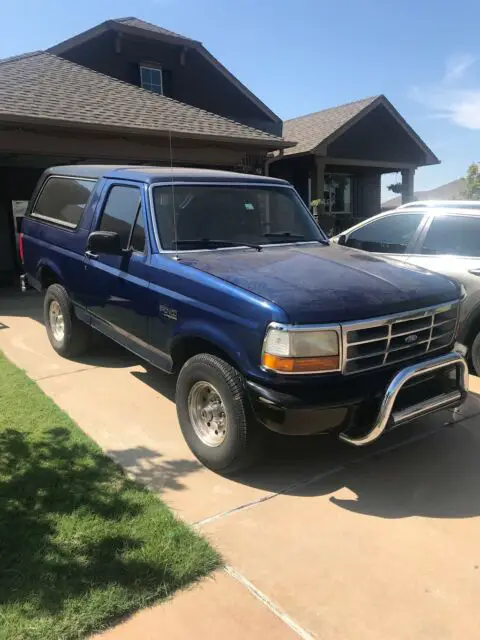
x=266, y=144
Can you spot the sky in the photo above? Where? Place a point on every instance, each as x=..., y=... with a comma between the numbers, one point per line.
x=301, y=56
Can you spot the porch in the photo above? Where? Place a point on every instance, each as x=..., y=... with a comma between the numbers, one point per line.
x=341, y=156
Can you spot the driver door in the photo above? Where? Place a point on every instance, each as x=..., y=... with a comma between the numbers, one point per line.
x=117, y=286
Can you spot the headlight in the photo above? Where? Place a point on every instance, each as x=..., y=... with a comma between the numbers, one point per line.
x=301, y=350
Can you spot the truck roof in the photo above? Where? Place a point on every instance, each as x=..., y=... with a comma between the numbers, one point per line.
x=158, y=174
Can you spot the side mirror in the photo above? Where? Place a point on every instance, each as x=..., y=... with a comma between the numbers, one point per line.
x=342, y=239
x=107, y=242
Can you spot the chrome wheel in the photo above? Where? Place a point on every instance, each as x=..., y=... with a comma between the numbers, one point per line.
x=57, y=323
x=207, y=414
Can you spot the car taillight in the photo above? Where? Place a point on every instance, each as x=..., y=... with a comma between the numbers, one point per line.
x=20, y=246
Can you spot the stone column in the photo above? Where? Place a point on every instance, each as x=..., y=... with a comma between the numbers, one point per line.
x=408, y=176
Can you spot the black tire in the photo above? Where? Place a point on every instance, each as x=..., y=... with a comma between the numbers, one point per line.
x=76, y=333
x=241, y=445
x=475, y=354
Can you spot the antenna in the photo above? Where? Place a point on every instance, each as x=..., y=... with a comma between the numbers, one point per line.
x=173, y=197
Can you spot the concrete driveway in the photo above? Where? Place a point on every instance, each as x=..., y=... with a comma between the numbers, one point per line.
x=321, y=540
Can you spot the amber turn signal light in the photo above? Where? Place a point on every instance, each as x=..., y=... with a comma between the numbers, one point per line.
x=300, y=365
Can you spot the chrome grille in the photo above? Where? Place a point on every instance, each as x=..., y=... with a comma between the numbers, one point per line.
x=382, y=341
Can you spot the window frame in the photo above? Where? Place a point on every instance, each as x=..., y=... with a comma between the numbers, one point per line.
x=428, y=223
x=68, y=226
x=152, y=66
x=412, y=245
x=141, y=208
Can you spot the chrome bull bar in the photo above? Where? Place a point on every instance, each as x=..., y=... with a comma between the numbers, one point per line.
x=442, y=401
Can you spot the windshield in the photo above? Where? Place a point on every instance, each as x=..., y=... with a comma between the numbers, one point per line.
x=211, y=217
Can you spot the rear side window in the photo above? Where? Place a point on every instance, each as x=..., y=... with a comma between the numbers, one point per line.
x=63, y=200
x=391, y=234
x=453, y=235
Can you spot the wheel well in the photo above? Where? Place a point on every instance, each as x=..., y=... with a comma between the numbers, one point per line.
x=473, y=329
x=186, y=348
x=48, y=277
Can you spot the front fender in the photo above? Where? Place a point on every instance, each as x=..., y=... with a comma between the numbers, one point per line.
x=233, y=346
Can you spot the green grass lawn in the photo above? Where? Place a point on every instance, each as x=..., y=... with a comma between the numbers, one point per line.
x=80, y=544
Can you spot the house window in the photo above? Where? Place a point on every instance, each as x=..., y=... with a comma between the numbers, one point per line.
x=151, y=79
x=338, y=193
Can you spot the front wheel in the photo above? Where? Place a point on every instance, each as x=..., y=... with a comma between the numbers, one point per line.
x=215, y=415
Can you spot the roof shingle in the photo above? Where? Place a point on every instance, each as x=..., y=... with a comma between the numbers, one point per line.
x=45, y=87
x=311, y=130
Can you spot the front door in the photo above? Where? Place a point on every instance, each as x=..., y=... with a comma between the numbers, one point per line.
x=118, y=285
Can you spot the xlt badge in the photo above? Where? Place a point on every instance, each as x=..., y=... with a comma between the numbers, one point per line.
x=167, y=312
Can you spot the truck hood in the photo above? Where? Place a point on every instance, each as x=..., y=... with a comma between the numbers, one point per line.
x=322, y=284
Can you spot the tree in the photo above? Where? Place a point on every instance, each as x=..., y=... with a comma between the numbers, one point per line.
x=471, y=182
x=397, y=187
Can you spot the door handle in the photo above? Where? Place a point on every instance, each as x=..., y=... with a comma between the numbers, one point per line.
x=474, y=272
x=92, y=256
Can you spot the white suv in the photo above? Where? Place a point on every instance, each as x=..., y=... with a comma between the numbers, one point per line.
x=444, y=204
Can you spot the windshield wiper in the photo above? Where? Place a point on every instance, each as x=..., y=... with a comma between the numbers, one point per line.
x=285, y=234
x=214, y=243
x=292, y=237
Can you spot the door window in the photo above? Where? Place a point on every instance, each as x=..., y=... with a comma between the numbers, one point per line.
x=122, y=214
x=453, y=235
x=390, y=234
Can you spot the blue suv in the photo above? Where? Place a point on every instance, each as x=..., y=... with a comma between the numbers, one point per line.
x=226, y=281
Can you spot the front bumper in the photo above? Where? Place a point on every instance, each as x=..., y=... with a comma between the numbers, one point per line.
x=415, y=391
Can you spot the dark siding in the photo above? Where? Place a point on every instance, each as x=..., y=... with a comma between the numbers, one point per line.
x=197, y=83
x=295, y=170
x=8, y=263
x=377, y=136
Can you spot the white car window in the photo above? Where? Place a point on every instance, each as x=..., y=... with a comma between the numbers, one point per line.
x=390, y=234
x=453, y=235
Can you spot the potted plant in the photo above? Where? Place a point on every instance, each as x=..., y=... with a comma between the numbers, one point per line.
x=315, y=205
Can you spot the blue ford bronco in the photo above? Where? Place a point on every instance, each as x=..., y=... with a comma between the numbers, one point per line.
x=226, y=281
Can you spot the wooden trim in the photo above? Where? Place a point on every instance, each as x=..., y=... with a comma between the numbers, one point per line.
x=267, y=144
x=82, y=147
x=380, y=164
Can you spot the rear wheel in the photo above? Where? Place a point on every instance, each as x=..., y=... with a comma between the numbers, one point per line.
x=215, y=415
x=67, y=334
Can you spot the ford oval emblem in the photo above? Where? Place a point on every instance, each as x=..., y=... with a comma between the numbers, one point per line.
x=411, y=338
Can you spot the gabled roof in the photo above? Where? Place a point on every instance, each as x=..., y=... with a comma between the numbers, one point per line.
x=318, y=129
x=312, y=130
x=134, y=26
x=43, y=88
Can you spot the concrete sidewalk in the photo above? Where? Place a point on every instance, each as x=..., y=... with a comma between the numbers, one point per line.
x=322, y=540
